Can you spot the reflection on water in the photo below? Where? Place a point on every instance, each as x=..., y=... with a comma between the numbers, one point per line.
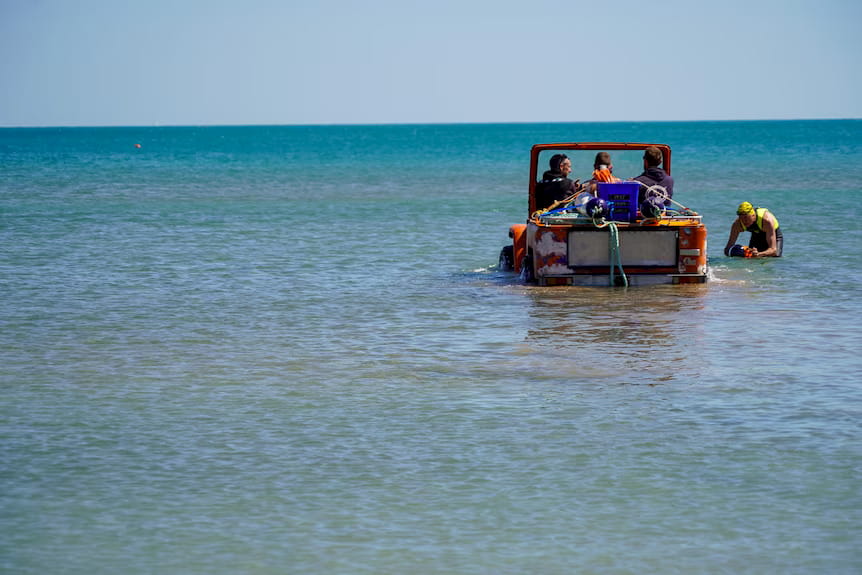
x=633, y=334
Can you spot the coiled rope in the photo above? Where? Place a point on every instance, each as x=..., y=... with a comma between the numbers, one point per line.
x=660, y=192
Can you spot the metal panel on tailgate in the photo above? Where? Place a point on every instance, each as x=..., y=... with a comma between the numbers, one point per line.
x=637, y=247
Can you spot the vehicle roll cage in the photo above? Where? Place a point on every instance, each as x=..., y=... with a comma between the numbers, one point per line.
x=606, y=146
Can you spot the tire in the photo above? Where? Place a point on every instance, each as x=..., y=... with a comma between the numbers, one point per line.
x=507, y=259
x=528, y=274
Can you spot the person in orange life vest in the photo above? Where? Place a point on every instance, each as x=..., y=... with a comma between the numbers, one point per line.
x=767, y=239
x=603, y=171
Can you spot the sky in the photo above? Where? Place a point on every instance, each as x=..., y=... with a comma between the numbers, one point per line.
x=228, y=62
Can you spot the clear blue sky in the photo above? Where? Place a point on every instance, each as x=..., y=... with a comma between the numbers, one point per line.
x=196, y=62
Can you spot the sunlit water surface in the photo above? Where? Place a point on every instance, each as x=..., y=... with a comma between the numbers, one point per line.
x=289, y=350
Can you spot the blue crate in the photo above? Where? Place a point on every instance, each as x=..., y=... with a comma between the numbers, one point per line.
x=622, y=199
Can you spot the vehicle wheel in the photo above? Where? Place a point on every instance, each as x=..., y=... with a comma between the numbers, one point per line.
x=528, y=275
x=507, y=259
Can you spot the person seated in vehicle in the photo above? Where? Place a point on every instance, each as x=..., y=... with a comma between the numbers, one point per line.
x=653, y=175
x=555, y=184
x=603, y=171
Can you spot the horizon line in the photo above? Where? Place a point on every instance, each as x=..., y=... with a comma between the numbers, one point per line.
x=382, y=124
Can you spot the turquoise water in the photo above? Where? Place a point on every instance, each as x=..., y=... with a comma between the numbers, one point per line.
x=288, y=350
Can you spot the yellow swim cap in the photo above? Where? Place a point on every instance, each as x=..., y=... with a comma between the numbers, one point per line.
x=744, y=208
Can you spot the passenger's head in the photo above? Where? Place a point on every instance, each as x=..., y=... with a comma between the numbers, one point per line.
x=602, y=159
x=561, y=163
x=652, y=157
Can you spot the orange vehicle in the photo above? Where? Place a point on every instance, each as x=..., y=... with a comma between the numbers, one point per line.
x=611, y=233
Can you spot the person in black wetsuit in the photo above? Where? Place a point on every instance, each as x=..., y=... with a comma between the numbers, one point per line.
x=767, y=239
x=555, y=184
x=654, y=175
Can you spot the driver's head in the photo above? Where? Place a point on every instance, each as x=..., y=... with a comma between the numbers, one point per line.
x=561, y=163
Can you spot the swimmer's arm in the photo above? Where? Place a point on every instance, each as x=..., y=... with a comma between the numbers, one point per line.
x=769, y=229
x=735, y=230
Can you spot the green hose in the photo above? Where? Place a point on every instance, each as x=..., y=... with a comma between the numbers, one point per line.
x=616, y=258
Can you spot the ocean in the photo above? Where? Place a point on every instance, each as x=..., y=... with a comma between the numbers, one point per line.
x=288, y=349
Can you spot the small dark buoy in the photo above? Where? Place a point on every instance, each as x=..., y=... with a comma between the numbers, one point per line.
x=597, y=208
